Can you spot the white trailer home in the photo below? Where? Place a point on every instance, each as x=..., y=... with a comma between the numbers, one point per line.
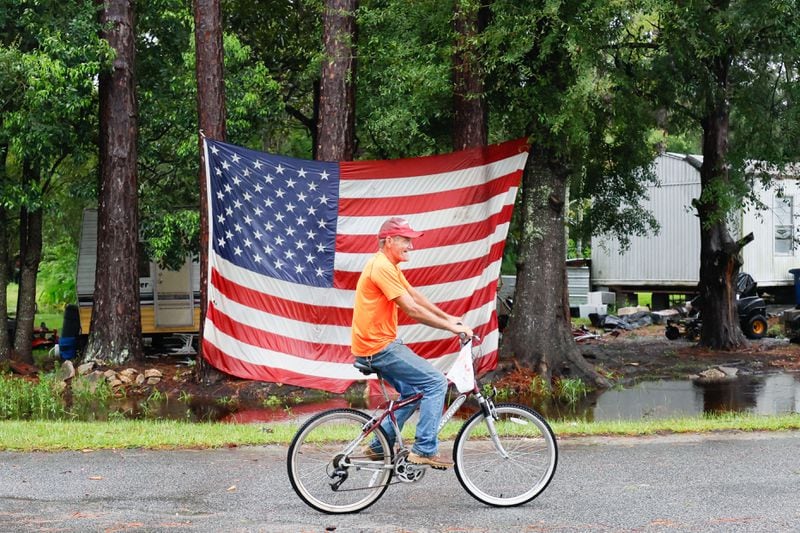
x=669, y=262
x=169, y=300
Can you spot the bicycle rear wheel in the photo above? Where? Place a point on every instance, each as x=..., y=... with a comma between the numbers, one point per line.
x=327, y=479
x=500, y=481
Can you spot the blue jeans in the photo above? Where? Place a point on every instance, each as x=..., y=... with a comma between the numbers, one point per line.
x=409, y=374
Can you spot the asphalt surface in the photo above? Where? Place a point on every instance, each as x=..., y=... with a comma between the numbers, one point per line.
x=717, y=482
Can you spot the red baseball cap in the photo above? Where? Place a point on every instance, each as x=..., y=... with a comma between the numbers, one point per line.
x=397, y=227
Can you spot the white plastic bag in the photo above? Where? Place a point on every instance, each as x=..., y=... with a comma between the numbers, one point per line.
x=462, y=374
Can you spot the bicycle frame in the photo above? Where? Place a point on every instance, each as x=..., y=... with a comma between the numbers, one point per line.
x=389, y=407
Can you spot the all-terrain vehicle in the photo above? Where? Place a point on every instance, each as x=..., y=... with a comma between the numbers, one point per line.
x=751, y=308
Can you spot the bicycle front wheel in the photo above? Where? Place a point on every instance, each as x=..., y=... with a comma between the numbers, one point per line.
x=512, y=470
x=328, y=479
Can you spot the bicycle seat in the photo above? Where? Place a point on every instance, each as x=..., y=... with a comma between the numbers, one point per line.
x=364, y=369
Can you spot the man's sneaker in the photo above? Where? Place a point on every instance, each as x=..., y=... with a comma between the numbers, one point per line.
x=435, y=461
x=371, y=454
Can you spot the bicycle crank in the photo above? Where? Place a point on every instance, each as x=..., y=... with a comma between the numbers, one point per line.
x=405, y=471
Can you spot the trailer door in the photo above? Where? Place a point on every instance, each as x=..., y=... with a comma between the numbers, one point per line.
x=173, y=296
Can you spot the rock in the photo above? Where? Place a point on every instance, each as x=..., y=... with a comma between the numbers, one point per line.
x=125, y=378
x=140, y=379
x=114, y=383
x=129, y=372
x=110, y=374
x=153, y=380
x=85, y=368
x=93, y=380
x=153, y=373
x=729, y=371
x=661, y=317
x=66, y=371
x=715, y=374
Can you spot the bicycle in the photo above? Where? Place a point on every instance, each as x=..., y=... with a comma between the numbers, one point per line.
x=505, y=455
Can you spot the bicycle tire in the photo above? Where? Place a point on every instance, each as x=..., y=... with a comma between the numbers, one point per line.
x=316, y=449
x=531, y=465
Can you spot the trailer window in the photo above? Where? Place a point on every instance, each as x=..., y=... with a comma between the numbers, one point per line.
x=782, y=213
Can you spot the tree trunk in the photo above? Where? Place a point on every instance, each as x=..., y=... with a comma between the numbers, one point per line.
x=719, y=253
x=211, y=120
x=337, y=102
x=115, y=330
x=539, y=333
x=470, y=124
x=30, y=248
x=5, y=342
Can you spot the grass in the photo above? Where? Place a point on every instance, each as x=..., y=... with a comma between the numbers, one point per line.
x=61, y=435
x=53, y=318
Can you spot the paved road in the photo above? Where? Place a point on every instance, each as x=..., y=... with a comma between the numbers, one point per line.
x=721, y=482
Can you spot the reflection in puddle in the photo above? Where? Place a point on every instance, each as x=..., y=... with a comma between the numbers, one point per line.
x=767, y=394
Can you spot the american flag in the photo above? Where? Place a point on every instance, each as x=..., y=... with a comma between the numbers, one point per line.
x=288, y=239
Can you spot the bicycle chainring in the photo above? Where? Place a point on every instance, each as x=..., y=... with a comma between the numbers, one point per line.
x=405, y=471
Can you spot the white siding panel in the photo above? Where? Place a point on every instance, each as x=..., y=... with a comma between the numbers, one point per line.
x=670, y=258
x=87, y=254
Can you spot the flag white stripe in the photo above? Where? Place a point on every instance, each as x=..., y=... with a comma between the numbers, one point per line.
x=431, y=183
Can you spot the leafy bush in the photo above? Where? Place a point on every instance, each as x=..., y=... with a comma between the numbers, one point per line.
x=56, y=279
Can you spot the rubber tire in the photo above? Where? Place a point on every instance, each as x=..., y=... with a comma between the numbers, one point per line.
x=499, y=501
x=756, y=327
x=298, y=440
x=672, y=333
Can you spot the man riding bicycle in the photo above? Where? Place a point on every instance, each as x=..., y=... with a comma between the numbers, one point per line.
x=381, y=289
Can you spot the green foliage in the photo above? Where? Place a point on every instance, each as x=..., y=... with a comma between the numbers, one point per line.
x=404, y=80
x=556, y=73
x=570, y=390
x=741, y=59
x=89, y=398
x=56, y=279
x=171, y=236
x=24, y=400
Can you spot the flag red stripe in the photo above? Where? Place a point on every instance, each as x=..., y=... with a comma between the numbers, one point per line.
x=434, y=164
x=311, y=313
x=317, y=351
x=243, y=369
x=423, y=203
x=449, y=236
x=460, y=306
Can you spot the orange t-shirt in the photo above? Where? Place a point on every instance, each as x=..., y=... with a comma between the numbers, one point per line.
x=374, y=310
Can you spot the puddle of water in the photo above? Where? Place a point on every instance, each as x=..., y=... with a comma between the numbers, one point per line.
x=767, y=394
x=770, y=394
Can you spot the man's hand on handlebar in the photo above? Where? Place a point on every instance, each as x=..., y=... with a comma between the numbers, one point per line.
x=462, y=331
